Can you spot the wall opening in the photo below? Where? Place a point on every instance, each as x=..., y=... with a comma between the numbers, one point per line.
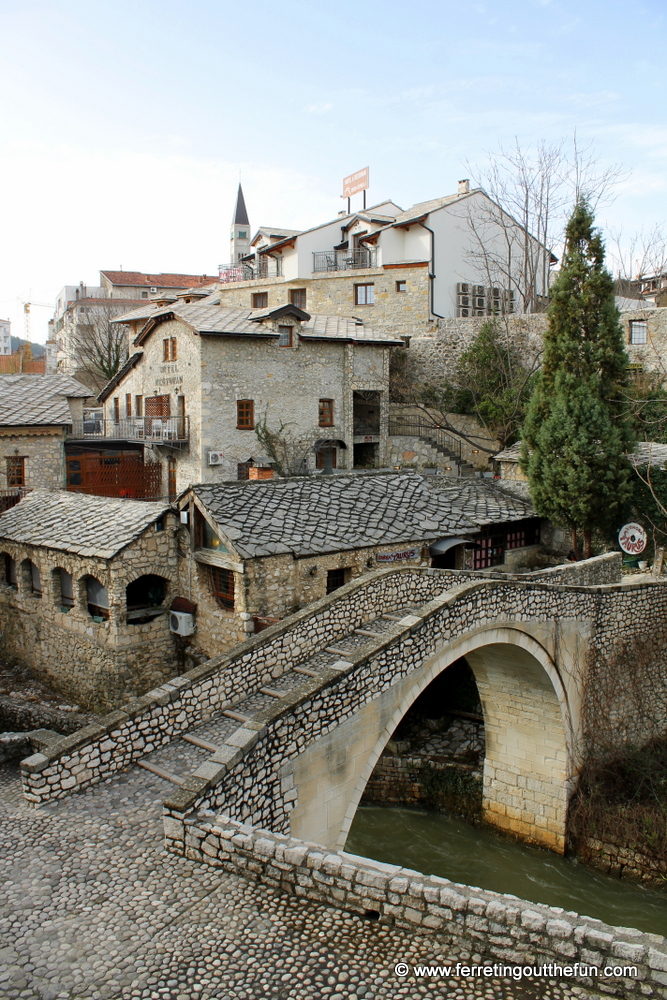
x=144, y=598
x=97, y=599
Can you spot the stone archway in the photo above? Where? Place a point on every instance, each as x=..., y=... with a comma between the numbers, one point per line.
x=529, y=741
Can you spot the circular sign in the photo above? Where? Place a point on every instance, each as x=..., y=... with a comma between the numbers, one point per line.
x=632, y=538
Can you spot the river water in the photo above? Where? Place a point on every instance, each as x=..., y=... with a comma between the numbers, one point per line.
x=439, y=844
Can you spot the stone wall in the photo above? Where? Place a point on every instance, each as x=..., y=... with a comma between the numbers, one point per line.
x=652, y=356
x=332, y=293
x=44, y=453
x=483, y=926
x=98, y=664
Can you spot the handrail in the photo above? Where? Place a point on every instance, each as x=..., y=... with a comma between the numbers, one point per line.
x=416, y=427
x=152, y=429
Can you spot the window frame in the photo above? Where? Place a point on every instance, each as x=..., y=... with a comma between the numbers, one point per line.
x=362, y=299
x=401, y=282
x=223, y=595
x=245, y=414
x=298, y=297
x=128, y=404
x=637, y=326
x=116, y=410
x=285, y=336
x=15, y=479
x=138, y=406
x=326, y=413
x=255, y=300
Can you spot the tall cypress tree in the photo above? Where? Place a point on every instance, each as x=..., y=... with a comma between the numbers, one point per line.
x=577, y=430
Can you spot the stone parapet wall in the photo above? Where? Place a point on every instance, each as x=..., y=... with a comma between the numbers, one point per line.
x=482, y=925
x=156, y=718
x=622, y=861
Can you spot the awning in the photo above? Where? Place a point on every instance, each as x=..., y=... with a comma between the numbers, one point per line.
x=444, y=544
x=328, y=443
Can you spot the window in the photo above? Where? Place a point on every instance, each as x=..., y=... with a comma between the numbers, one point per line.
x=144, y=295
x=206, y=536
x=364, y=295
x=116, y=409
x=326, y=412
x=638, y=331
x=284, y=336
x=401, y=286
x=260, y=300
x=171, y=479
x=35, y=579
x=336, y=578
x=128, y=404
x=222, y=586
x=16, y=470
x=98, y=599
x=297, y=297
x=245, y=414
x=66, y=590
x=10, y=571
x=242, y=235
x=170, y=349
x=325, y=458
x=138, y=406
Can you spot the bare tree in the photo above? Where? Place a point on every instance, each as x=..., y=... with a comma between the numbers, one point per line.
x=517, y=235
x=287, y=451
x=639, y=255
x=98, y=348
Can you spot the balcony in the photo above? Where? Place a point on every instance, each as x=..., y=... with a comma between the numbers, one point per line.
x=174, y=431
x=263, y=267
x=343, y=260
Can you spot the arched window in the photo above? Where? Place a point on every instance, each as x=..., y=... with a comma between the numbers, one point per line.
x=145, y=597
x=98, y=599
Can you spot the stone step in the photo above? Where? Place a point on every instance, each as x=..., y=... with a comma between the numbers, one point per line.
x=175, y=779
x=197, y=741
x=272, y=693
x=237, y=716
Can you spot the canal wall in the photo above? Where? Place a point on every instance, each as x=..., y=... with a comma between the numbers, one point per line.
x=481, y=925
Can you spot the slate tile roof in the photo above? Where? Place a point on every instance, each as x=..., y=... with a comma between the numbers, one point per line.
x=485, y=501
x=207, y=317
x=77, y=523
x=318, y=514
x=29, y=400
x=643, y=453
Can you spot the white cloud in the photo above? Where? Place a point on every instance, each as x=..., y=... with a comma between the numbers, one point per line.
x=318, y=109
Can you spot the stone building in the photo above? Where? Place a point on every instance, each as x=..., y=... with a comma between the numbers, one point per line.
x=35, y=414
x=260, y=550
x=203, y=376
x=85, y=583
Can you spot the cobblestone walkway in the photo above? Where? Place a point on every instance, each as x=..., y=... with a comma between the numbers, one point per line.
x=92, y=907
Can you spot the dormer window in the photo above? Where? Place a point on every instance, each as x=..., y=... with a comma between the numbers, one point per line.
x=285, y=336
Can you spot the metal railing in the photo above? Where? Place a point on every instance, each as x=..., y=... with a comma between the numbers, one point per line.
x=157, y=430
x=11, y=496
x=263, y=267
x=343, y=260
x=438, y=436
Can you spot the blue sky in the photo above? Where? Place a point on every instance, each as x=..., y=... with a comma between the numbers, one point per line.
x=124, y=126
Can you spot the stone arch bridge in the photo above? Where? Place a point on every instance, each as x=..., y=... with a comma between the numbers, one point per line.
x=284, y=732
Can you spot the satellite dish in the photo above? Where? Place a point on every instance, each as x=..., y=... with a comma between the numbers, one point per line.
x=632, y=538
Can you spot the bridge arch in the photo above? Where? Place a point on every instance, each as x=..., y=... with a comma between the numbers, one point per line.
x=529, y=741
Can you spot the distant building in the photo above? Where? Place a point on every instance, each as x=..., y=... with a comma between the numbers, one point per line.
x=5, y=337
x=456, y=256
x=202, y=377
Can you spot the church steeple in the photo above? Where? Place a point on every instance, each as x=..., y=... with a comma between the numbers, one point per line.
x=240, y=234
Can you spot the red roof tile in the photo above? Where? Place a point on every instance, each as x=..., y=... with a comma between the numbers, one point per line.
x=138, y=278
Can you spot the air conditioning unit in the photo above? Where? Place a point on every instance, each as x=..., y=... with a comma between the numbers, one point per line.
x=496, y=292
x=463, y=312
x=480, y=303
x=463, y=288
x=479, y=312
x=154, y=291
x=181, y=623
x=478, y=290
x=464, y=300
x=215, y=458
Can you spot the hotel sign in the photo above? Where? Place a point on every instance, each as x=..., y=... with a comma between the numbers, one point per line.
x=355, y=183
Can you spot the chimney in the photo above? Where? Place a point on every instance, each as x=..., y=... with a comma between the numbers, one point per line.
x=464, y=187
x=254, y=473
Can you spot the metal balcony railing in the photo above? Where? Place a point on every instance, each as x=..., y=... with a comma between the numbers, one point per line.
x=343, y=260
x=263, y=267
x=156, y=430
x=364, y=429
x=441, y=439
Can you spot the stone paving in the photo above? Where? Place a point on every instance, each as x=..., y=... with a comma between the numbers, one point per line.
x=92, y=907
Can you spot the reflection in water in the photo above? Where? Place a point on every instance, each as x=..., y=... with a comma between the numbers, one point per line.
x=438, y=844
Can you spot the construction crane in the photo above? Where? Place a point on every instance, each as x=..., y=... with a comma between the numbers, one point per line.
x=26, y=314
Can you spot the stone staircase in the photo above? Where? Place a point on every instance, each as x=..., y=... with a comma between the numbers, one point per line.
x=179, y=759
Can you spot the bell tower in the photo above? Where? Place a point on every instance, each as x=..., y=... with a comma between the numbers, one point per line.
x=240, y=234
